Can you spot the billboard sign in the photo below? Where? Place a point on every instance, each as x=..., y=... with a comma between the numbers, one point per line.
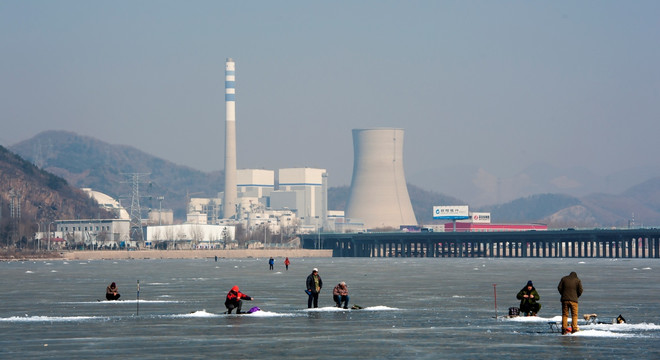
x=480, y=217
x=454, y=212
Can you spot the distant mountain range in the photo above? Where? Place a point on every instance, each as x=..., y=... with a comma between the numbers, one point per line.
x=88, y=162
x=480, y=187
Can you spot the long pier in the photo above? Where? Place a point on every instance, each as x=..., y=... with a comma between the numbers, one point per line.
x=628, y=243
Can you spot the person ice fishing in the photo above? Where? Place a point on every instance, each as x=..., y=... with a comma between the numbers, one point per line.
x=313, y=286
x=235, y=300
x=340, y=295
x=570, y=288
x=529, y=298
x=111, y=292
x=271, y=262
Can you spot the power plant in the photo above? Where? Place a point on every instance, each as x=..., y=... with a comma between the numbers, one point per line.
x=230, y=193
x=379, y=194
x=295, y=202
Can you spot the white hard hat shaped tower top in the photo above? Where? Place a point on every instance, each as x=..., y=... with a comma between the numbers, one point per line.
x=379, y=193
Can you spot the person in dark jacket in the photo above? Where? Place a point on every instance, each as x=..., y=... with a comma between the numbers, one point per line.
x=529, y=298
x=340, y=295
x=271, y=262
x=235, y=300
x=111, y=292
x=570, y=288
x=313, y=286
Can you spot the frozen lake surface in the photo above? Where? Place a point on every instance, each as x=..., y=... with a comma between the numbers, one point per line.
x=415, y=308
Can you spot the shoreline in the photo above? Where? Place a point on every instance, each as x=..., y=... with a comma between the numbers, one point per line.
x=172, y=254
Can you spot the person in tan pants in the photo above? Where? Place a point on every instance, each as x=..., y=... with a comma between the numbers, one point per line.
x=570, y=288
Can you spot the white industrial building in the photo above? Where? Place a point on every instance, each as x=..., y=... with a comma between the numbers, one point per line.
x=204, y=210
x=190, y=236
x=95, y=233
x=161, y=216
x=108, y=203
x=256, y=183
x=298, y=201
x=302, y=190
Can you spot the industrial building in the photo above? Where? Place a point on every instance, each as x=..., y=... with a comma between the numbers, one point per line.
x=298, y=201
x=256, y=183
x=94, y=233
x=108, y=203
x=190, y=236
x=302, y=190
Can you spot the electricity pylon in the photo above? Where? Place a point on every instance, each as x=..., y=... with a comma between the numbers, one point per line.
x=136, y=212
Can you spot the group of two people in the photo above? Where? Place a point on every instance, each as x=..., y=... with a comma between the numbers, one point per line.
x=313, y=284
x=570, y=289
x=271, y=263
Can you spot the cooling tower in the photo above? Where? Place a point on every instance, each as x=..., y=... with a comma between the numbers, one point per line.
x=230, y=196
x=379, y=195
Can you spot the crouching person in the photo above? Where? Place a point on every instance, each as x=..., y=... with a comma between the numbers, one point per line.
x=235, y=300
x=529, y=298
x=340, y=295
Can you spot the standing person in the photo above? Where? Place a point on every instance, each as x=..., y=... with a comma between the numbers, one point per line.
x=286, y=263
x=111, y=292
x=570, y=288
x=529, y=298
x=340, y=294
x=271, y=262
x=235, y=300
x=313, y=285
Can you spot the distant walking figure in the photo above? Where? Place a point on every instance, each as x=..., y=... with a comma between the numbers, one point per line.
x=286, y=263
x=271, y=262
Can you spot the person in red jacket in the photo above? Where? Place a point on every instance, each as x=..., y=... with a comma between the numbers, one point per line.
x=235, y=300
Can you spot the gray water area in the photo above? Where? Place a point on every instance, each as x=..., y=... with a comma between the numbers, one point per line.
x=426, y=308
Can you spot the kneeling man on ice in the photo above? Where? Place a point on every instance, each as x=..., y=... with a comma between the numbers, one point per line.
x=234, y=300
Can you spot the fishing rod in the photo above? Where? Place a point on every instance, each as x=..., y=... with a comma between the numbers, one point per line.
x=495, y=293
x=138, y=297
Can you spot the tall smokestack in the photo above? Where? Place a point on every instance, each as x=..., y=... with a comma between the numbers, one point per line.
x=229, y=202
x=379, y=194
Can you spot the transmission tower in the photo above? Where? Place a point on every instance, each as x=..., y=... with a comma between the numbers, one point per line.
x=15, y=214
x=135, y=179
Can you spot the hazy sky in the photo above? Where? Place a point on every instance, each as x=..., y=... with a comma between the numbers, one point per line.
x=497, y=85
